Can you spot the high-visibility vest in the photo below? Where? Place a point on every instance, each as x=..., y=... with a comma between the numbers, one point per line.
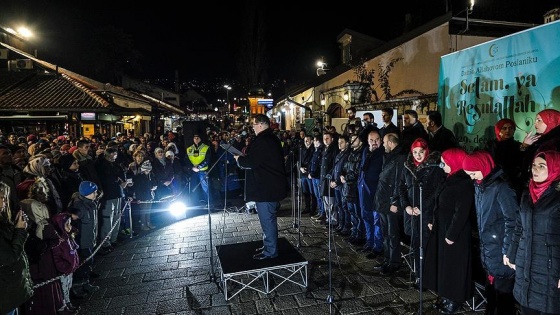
x=197, y=155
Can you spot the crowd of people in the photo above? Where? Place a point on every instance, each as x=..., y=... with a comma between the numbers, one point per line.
x=385, y=190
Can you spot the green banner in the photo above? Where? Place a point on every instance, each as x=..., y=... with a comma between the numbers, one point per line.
x=512, y=77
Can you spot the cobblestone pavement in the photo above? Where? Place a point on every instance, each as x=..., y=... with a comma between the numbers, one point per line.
x=168, y=271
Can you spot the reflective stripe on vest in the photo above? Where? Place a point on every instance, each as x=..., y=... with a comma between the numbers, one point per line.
x=196, y=160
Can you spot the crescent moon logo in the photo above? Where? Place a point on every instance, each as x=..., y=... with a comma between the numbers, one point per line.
x=492, y=50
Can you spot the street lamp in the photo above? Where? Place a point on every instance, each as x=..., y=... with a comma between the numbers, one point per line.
x=227, y=87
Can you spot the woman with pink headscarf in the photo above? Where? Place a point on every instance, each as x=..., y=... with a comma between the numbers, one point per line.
x=420, y=180
x=546, y=137
x=452, y=228
x=535, y=250
x=497, y=208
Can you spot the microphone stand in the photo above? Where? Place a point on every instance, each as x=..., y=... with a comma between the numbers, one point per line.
x=295, y=203
x=330, y=297
x=212, y=270
x=421, y=253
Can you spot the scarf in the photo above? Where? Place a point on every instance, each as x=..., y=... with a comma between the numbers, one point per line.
x=479, y=161
x=551, y=118
x=552, y=159
x=420, y=143
x=454, y=158
x=498, y=126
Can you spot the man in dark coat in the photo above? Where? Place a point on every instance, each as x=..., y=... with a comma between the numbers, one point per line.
x=304, y=159
x=387, y=204
x=439, y=137
x=372, y=161
x=388, y=126
x=327, y=163
x=265, y=182
x=413, y=129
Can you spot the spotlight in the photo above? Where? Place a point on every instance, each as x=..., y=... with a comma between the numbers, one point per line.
x=177, y=209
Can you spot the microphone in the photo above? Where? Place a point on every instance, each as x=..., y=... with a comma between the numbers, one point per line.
x=440, y=165
x=328, y=176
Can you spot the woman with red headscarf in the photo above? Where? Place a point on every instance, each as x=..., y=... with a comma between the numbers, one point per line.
x=506, y=152
x=546, y=137
x=419, y=183
x=497, y=207
x=452, y=228
x=535, y=250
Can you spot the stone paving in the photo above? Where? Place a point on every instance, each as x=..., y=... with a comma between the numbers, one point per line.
x=168, y=271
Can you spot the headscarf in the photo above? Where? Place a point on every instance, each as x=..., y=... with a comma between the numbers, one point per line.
x=551, y=118
x=420, y=142
x=498, y=126
x=146, y=166
x=454, y=158
x=552, y=159
x=36, y=166
x=479, y=161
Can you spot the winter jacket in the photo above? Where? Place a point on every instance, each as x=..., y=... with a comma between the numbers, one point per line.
x=351, y=173
x=16, y=285
x=65, y=251
x=372, y=162
x=535, y=251
x=387, y=193
x=327, y=164
x=496, y=212
x=87, y=224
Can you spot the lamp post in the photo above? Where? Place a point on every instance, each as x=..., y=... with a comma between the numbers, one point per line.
x=227, y=87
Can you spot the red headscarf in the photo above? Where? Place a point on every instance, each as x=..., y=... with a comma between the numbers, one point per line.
x=454, y=158
x=552, y=159
x=420, y=142
x=479, y=161
x=498, y=126
x=551, y=118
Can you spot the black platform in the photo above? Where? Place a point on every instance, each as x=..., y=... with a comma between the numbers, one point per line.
x=239, y=268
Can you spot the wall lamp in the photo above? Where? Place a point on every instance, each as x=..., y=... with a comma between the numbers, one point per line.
x=322, y=97
x=346, y=96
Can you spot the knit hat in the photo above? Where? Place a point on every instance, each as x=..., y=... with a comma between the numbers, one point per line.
x=169, y=154
x=87, y=188
x=146, y=166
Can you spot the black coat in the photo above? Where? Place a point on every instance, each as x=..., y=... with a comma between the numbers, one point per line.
x=327, y=164
x=265, y=178
x=411, y=133
x=509, y=157
x=496, y=212
x=535, y=251
x=16, y=285
x=351, y=173
x=442, y=140
x=372, y=161
x=454, y=207
x=339, y=162
x=387, y=193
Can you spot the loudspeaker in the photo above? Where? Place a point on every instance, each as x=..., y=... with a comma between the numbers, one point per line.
x=194, y=127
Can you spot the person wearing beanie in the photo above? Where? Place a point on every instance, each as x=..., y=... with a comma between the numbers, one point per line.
x=84, y=208
x=420, y=181
x=496, y=210
x=450, y=243
x=534, y=252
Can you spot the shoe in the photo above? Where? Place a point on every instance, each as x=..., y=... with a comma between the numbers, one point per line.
x=77, y=293
x=440, y=303
x=262, y=256
x=320, y=218
x=358, y=241
x=416, y=285
x=450, y=308
x=390, y=270
x=88, y=288
x=94, y=275
x=106, y=250
x=365, y=248
x=315, y=216
x=151, y=226
x=71, y=307
x=373, y=255
x=145, y=228
x=259, y=250
x=66, y=312
x=380, y=267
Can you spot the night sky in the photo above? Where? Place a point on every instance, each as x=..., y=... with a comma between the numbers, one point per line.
x=201, y=40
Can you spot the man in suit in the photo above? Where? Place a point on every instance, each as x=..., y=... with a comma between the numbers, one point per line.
x=439, y=137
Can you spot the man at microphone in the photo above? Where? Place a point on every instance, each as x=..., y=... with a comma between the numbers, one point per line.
x=265, y=182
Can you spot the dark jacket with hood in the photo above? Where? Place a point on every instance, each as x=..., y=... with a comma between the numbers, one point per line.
x=387, y=193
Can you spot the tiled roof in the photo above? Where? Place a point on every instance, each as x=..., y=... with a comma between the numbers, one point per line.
x=47, y=92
